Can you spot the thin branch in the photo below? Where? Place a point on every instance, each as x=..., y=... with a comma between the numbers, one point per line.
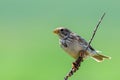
x=80, y=58
x=95, y=31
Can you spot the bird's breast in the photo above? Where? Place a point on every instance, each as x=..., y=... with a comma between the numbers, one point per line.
x=73, y=47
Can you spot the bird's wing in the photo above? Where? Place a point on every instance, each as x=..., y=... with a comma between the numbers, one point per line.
x=83, y=41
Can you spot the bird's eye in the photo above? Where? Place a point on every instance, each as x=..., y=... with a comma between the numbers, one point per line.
x=61, y=30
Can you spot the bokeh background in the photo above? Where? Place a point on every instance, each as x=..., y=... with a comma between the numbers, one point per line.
x=30, y=51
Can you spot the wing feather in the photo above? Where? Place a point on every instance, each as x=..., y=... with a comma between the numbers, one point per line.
x=83, y=41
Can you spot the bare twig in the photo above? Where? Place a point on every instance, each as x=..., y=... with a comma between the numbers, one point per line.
x=80, y=59
x=75, y=68
x=95, y=30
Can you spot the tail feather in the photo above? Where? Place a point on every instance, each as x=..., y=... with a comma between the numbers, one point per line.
x=100, y=57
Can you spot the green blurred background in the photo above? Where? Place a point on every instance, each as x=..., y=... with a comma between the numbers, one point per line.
x=30, y=51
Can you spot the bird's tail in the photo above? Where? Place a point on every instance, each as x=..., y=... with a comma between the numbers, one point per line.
x=100, y=57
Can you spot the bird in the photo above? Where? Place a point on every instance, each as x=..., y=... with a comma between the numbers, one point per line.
x=72, y=44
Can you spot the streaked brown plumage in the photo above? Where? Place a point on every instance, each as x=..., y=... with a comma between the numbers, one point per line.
x=73, y=44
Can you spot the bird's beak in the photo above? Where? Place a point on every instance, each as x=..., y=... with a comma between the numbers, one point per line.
x=56, y=31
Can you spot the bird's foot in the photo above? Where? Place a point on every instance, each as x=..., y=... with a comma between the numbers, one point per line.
x=82, y=53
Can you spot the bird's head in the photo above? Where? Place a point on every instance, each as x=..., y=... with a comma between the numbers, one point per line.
x=62, y=32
